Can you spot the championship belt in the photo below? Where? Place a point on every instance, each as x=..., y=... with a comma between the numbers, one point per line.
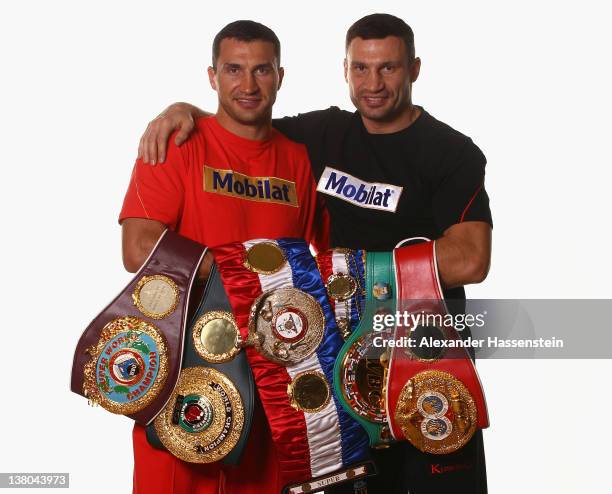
x=343, y=273
x=208, y=416
x=128, y=359
x=289, y=330
x=361, y=368
x=434, y=396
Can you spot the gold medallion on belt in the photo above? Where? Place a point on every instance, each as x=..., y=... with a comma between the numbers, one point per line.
x=265, y=258
x=309, y=391
x=436, y=412
x=216, y=337
x=156, y=296
x=128, y=366
x=204, y=417
x=286, y=325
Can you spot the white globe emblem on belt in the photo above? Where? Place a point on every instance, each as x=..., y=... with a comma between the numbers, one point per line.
x=289, y=324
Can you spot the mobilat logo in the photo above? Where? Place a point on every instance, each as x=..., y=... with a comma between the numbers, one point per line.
x=363, y=194
x=262, y=189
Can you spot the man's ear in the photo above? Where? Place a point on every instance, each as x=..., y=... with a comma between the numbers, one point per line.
x=211, y=78
x=345, y=70
x=415, y=69
x=281, y=74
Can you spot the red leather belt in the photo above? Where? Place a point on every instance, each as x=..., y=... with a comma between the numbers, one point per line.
x=434, y=396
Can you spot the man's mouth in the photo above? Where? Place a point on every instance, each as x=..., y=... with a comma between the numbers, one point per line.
x=248, y=103
x=374, y=101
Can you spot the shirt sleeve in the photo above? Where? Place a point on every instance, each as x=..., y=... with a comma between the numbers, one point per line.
x=157, y=192
x=460, y=193
x=301, y=127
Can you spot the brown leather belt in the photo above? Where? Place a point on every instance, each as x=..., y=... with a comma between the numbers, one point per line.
x=129, y=357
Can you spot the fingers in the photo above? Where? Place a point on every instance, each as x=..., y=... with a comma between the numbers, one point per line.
x=184, y=131
x=161, y=140
x=145, y=150
x=151, y=143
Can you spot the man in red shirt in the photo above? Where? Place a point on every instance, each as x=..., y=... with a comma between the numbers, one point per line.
x=235, y=179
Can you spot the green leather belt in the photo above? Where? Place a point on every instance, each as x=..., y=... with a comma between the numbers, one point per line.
x=194, y=423
x=361, y=367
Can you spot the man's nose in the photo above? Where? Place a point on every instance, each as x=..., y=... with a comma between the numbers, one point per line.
x=248, y=84
x=374, y=81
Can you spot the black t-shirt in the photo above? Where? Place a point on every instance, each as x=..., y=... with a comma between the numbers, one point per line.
x=439, y=170
x=382, y=188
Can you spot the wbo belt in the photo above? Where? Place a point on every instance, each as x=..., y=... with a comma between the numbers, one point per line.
x=291, y=338
x=129, y=357
x=361, y=368
x=434, y=397
x=209, y=414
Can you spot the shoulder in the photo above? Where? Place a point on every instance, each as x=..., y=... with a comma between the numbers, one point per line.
x=336, y=116
x=447, y=139
x=304, y=125
x=437, y=130
x=287, y=147
x=203, y=125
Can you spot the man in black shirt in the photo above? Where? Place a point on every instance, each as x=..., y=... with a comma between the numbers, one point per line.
x=389, y=171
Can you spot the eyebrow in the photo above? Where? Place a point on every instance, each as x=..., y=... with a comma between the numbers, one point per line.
x=386, y=62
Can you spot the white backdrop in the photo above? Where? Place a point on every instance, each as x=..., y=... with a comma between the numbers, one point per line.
x=527, y=80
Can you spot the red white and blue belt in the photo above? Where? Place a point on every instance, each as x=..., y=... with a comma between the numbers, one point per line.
x=282, y=309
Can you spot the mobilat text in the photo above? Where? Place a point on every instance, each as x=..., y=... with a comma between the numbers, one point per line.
x=365, y=194
x=263, y=189
x=413, y=320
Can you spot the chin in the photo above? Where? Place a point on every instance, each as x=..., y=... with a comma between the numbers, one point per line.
x=252, y=118
x=249, y=117
x=381, y=114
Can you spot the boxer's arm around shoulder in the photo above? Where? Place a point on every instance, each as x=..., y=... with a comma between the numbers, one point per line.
x=138, y=237
x=464, y=253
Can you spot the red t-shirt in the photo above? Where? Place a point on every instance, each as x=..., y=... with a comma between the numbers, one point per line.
x=219, y=187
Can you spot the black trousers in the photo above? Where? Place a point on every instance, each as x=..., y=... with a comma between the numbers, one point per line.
x=403, y=469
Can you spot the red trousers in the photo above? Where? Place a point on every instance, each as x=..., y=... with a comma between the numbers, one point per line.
x=158, y=472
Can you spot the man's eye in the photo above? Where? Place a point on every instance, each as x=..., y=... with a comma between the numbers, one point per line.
x=388, y=68
x=232, y=70
x=359, y=68
x=263, y=70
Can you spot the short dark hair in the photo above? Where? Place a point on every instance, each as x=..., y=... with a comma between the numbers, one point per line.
x=245, y=31
x=379, y=26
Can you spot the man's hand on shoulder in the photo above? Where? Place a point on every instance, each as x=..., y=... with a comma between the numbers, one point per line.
x=464, y=253
x=154, y=142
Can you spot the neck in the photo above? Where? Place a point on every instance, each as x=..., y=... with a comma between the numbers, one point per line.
x=259, y=131
x=399, y=122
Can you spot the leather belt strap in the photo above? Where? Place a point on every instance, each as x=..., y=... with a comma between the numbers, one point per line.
x=360, y=374
x=213, y=307
x=436, y=400
x=129, y=357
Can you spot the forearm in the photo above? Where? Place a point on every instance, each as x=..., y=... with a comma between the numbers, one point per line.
x=138, y=240
x=182, y=106
x=137, y=247
x=464, y=255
